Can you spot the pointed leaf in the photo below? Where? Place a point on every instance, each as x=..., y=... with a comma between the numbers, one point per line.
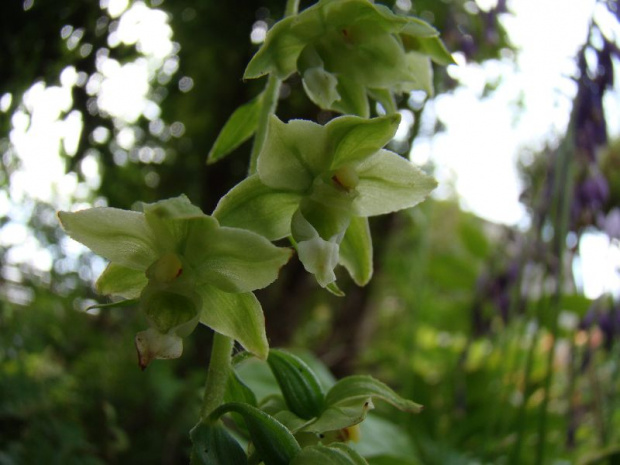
x=240, y=127
x=356, y=138
x=238, y=391
x=361, y=387
x=121, y=236
x=334, y=454
x=213, y=445
x=234, y=260
x=120, y=303
x=356, y=251
x=273, y=442
x=121, y=281
x=347, y=403
x=254, y=206
x=238, y=316
x=430, y=46
x=298, y=383
x=390, y=183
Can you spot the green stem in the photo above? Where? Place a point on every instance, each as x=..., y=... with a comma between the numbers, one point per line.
x=269, y=101
x=217, y=376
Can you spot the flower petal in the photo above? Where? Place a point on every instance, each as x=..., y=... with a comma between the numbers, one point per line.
x=121, y=281
x=232, y=259
x=390, y=183
x=151, y=345
x=293, y=154
x=256, y=207
x=121, y=236
x=356, y=138
x=238, y=316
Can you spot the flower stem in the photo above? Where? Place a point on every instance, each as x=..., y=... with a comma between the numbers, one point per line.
x=270, y=101
x=217, y=376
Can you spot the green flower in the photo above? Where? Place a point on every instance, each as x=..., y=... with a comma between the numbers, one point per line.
x=319, y=184
x=184, y=269
x=346, y=50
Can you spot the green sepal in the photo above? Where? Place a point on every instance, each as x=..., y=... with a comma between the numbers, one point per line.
x=335, y=290
x=121, y=281
x=272, y=440
x=256, y=207
x=348, y=402
x=388, y=183
x=238, y=316
x=213, y=445
x=356, y=251
x=233, y=259
x=356, y=138
x=120, y=236
x=299, y=384
x=433, y=47
x=293, y=154
x=240, y=127
x=334, y=454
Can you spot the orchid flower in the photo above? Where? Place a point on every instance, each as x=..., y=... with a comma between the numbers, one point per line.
x=182, y=268
x=318, y=184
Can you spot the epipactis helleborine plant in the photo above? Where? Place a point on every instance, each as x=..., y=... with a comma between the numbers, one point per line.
x=347, y=50
x=319, y=184
x=182, y=268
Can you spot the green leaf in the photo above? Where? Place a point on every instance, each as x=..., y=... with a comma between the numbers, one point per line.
x=238, y=391
x=121, y=281
x=240, y=127
x=390, y=183
x=356, y=251
x=213, y=445
x=362, y=387
x=356, y=138
x=273, y=442
x=256, y=207
x=294, y=153
x=347, y=403
x=238, y=316
x=121, y=236
x=121, y=303
x=299, y=385
x=334, y=454
x=234, y=260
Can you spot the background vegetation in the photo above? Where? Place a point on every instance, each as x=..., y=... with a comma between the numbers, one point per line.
x=481, y=323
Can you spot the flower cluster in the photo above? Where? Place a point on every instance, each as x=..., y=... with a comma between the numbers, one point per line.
x=348, y=50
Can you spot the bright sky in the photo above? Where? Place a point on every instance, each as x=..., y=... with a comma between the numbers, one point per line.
x=475, y=156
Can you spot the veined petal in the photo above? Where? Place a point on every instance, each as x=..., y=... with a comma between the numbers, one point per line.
x=166, y=220
x=121, y=236
x=354, y=138
x=390, y=183
x=256, y=207
x=238, y=316
x=121, y=281
x=293, y=154
x=233, y=259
